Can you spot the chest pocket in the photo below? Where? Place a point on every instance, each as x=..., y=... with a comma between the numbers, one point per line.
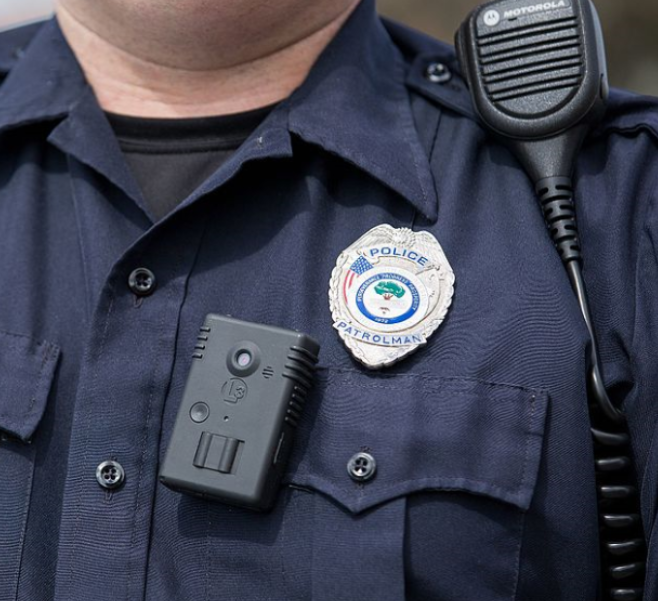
x=440, y=513
x=27, y=368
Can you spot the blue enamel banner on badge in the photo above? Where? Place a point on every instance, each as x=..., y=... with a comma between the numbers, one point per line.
x=384, y=320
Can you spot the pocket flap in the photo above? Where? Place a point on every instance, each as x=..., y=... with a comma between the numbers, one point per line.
x=27, y=367
x=424, y=433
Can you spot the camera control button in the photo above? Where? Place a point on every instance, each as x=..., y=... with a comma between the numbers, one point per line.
x=199, y=412
x=362, y=467
x=110, y=475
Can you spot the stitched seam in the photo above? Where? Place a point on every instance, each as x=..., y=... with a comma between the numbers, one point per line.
x=207, y=555
x=517, y=574
x=434, y=141
x=78, y=503
x=83, y=255
x=282, y=537
x=158, y=442
x=629, y=131
x=533, y=404
x=645, y=239
x=37, y=387
x=39, y=382
x=401, y=388
x=177, y=268
x=23, y=337
x=645, y=476
x=331, y=375
x=136, y=149
x=354, y=155
x=383, y=489
x=408, y=122
x=17, y=418
x=144, y=444
x=142, y=461
x=653, y=532
x=526, y=460
x=26, y=511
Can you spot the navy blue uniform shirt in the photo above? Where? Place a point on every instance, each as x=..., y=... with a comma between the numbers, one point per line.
x=485, y=484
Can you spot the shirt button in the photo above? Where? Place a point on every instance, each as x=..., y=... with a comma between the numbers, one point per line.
x=142, y=281
x=362, y=467
x=438, y=73
x=110, y=474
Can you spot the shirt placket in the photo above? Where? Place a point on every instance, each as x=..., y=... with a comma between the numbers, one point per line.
x=129, y=353
x=124, y=377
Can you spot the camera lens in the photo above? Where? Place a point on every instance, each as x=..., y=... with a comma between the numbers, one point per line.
x=244, y=358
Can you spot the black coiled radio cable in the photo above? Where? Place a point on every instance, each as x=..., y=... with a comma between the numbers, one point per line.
x=623, y=549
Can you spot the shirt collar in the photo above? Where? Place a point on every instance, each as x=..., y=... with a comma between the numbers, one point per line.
x=354, y=103
x=45, y=83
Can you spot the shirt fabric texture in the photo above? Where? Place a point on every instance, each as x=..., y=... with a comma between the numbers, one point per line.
x=485, y=485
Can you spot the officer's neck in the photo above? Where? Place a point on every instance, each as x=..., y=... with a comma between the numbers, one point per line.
x=153, y=69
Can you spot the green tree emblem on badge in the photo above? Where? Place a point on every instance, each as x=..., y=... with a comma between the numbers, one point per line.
x=390, y=289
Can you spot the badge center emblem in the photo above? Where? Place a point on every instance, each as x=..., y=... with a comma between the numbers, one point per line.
x=389, y=292
x=388, y=299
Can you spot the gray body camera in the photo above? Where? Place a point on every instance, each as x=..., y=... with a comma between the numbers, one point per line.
x=236, y=423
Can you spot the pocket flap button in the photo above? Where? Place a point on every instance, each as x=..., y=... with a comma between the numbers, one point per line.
x=362, y=467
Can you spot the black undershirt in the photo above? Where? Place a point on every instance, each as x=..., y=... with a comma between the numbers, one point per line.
x=170, y=158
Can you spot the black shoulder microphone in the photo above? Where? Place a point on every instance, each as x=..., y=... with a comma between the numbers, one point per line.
x=536, y=71
x=537, y=74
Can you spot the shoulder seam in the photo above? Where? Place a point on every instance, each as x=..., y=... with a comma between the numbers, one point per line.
x=451, y=93
x=629, y=130
x=630, y=113
x=420, y=51
x=13, y=42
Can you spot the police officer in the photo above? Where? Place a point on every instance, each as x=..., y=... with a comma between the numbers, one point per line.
x=164, y=160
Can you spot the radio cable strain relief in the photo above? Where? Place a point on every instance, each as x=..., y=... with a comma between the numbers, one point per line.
x=556, y=200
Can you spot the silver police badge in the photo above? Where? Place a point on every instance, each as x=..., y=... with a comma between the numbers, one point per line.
x=389, y=292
